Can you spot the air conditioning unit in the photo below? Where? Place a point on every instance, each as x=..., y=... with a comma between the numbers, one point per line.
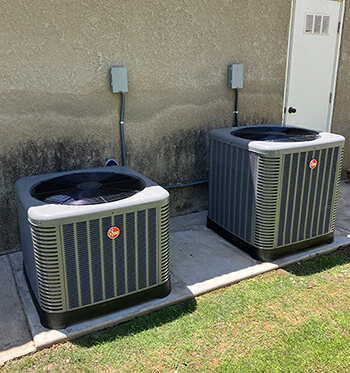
x=93, y=241
x=273, y=189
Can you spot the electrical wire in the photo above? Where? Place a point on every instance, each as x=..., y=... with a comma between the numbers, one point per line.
x=121, y=127
x=111, y=162
x=185, y=185
x=235, y=112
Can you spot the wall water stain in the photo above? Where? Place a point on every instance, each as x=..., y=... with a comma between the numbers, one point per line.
x=180, y=157
x=39, y=157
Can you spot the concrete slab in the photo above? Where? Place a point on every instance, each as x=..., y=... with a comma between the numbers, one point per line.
x=43, y=337
x=13, y=323
x=342, y=221
x=201, y=261
x=180, y=223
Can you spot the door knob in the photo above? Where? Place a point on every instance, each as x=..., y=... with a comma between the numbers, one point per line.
x=292, y=110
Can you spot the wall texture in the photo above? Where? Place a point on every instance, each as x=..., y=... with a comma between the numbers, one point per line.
x=57, y=111
x=341, y=113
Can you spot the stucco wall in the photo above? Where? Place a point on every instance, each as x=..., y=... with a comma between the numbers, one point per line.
x=57, y=111
x=341, y=113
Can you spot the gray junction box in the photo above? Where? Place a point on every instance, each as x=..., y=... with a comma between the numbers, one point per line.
x=119, y=79
x=235, y=75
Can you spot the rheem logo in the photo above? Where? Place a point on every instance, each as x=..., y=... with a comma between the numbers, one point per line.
x=113, y=233
x=313, y=164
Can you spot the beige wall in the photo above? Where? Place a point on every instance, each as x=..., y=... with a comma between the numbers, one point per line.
x=57, y=111
x=341, y=114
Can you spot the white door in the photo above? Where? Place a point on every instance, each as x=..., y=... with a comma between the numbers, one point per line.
x=312, y=63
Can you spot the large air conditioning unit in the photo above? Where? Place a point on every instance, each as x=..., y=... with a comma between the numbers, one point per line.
x=93, y=241
x=273, y=189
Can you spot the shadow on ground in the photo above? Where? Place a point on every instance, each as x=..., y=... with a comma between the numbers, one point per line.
x=321, y=263
x=138, y=325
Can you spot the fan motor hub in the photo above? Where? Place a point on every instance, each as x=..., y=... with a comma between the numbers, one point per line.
x=89, y=185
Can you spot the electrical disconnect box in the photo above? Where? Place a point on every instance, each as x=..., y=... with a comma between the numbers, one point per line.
x=235, y=75
x=119, y=79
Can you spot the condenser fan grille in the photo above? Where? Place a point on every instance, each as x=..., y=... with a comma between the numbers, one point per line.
x=276, y=134
x=87, y=188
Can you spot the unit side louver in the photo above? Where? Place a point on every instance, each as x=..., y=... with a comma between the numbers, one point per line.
x=165, y=242
x=268, y=176
x=48, y=268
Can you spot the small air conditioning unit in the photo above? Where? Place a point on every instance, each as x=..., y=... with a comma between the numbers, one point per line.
x=93, y=241
x=273, y=189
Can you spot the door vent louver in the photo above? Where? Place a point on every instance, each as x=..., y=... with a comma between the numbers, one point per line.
x=317, y=24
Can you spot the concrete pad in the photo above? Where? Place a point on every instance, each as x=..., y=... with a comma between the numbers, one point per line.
x=45, y=337
x=201, y=261
x=342, y=221
x=179, y=223
x=13, y=323
x=205, y=261
x=16, y=352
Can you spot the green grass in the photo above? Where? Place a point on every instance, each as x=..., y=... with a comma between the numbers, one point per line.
x=295, y=319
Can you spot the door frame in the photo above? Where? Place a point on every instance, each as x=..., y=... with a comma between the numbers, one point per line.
x=336, y=61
